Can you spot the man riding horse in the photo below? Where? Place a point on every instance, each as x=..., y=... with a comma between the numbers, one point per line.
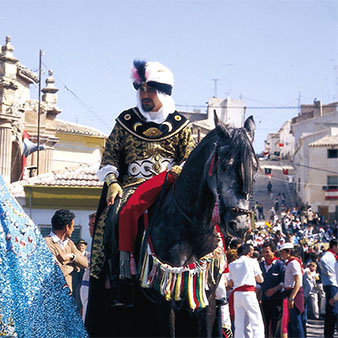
x=145, y=141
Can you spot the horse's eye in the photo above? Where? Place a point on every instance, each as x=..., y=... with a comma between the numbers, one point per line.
x=235, y=210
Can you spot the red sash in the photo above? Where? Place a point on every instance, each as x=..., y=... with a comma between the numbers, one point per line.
x=231, y=298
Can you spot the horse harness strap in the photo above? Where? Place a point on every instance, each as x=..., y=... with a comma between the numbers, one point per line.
x=213, y=169
x=179, y=207
x=236, y=210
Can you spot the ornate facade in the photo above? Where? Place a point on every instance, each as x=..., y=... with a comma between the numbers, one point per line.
x=19, y=113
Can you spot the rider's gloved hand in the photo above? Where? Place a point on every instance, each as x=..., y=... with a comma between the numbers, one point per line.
x=114, y=189
x=175, y=170
x=124, y=265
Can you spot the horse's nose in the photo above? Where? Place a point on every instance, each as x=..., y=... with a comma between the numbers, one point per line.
x=234, y=229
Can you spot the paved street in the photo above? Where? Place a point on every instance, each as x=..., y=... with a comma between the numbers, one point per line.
x=279, y=185
x=315, y=329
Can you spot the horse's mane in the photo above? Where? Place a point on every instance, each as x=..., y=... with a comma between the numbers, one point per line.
x=238, y=153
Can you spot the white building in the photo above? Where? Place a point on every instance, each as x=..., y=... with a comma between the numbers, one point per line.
x=271, y=146
x=315, y=159
x=286, y=141
x=229, y=111
x=323, y=195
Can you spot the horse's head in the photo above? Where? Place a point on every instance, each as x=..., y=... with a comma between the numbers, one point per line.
x=231, y=168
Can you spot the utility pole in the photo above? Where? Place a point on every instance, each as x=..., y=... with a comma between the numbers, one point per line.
x=299, y=107
x=39, y=113
x=336, y=82
x=215, y=87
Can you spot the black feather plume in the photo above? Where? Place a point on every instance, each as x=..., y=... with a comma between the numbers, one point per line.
x=140, y=66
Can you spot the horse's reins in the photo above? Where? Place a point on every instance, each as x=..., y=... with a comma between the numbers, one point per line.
x=234, y=210
x=180, y=209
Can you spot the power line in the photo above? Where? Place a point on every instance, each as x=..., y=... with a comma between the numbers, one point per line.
x=266, y=165
x=286, y=181
x=320, y=169
x=253, y=107
x=78, y=98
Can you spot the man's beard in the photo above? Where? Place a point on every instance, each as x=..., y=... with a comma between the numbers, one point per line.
x=148, y=106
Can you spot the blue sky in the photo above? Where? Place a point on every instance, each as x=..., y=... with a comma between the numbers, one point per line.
x=266, y=52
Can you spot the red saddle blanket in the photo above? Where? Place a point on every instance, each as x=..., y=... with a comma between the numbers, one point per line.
x=144, y=196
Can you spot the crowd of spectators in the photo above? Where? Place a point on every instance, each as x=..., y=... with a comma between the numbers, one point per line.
x=298, y=235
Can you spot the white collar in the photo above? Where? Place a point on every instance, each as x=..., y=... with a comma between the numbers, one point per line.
x=57, y=239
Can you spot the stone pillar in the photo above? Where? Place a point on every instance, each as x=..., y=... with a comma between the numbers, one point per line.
x=49, y=160
x=5, y=153
x=45, y=161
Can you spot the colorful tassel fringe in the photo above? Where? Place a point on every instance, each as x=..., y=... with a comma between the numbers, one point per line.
x=174, y=283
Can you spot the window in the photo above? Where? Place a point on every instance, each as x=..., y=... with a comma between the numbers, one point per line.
x=332, y=182
x=332, y=153
x=45, y=230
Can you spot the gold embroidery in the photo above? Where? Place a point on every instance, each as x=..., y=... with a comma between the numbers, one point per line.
x=169, y=125
x=177, y=147
x=152, y=132
x=127, y=117
x=137, y=124
x=178, y=118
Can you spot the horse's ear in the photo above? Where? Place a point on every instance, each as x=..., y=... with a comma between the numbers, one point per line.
x=216, y=119
x=250, y=126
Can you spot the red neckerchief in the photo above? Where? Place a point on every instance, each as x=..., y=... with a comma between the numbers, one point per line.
x=269, y=262
x=298, y=260
x=333, y=253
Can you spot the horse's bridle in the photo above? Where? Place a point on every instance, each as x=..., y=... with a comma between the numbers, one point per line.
x=233, y=210
x=239, y=211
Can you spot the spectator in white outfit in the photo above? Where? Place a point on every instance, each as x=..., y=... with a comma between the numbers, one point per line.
x=310, y=294
x=244, y=273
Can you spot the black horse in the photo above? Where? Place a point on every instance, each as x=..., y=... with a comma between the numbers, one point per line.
x=220, y=169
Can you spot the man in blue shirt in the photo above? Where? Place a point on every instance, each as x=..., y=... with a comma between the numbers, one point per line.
x=272, y=301
x=328, y=275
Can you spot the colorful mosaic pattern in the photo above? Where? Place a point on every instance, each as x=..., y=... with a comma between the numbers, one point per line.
x=35, y=300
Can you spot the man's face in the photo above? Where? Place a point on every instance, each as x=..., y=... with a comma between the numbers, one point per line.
x=285, y=254
x=251, y=251
x=70, y=229
x=312, y=268
x=335, y=248
x=267, y=253
x=81, y=247
x=149, y=99
x=91, y=226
